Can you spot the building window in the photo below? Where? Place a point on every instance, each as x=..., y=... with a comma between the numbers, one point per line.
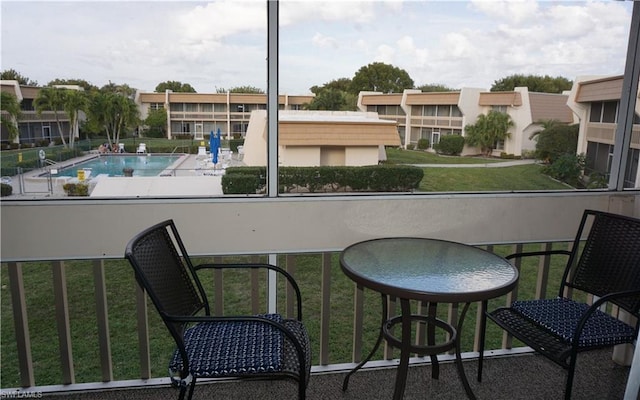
x=606, y=112
x=429, y=111
x=502, y=109
x=156, y=106
x=610, y=111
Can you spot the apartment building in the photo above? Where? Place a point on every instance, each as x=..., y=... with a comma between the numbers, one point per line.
x=200, y=113
x=34, y=128
x=432, y=115
x=596, y=103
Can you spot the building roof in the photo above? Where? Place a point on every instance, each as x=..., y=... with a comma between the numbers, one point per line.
x=335, y=128
x=549, y=106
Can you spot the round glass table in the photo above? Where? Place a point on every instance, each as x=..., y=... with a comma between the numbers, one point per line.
x=431, y=271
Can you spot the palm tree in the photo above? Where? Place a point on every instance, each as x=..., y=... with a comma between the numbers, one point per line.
x=114, y=112
x=10, y=114
x=74, y=102
x=51, y=99
x=488, y=130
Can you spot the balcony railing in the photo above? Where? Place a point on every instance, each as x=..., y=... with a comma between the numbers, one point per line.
x=53, y=236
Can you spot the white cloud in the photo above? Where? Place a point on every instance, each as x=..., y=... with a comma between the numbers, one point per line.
x=321, y=40
x=223, y=43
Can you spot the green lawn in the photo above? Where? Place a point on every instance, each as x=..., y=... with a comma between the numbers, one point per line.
x=520, y=177
x=400, y=156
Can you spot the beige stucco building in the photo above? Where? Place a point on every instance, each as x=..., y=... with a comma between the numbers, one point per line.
x=321, y=138
x=596, y=103
x=431, y=115
x=200, y=113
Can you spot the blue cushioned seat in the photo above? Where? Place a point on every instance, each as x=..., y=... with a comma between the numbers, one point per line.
x=561, y=317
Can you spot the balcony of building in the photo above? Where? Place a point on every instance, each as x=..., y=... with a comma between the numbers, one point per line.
x=55, y=235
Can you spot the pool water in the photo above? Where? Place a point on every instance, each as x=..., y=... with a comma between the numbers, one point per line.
x=112, y=165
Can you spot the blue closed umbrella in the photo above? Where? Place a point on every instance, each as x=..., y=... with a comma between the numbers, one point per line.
x=214, y=145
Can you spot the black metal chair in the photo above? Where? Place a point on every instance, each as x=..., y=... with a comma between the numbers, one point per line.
x=605, y=269
x=257, y=346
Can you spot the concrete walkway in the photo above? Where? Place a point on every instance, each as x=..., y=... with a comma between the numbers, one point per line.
x=486, y=165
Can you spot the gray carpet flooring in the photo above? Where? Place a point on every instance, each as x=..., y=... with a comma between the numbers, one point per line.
x=517, y=377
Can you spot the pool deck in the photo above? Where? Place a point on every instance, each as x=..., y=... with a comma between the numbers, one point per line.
x=191, y=175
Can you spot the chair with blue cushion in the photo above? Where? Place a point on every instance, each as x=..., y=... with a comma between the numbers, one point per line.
x=605, y=269
x=245, y=346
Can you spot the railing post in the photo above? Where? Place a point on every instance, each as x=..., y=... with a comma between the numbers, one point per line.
x=102, y=316
x=21, y=323
x=325, y=308
x=358, y=317
x=62, y=322
x=143, y=333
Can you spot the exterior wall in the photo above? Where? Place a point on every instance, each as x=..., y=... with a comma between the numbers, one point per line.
x=301, y=156
x=255, y=141
x=358, y=156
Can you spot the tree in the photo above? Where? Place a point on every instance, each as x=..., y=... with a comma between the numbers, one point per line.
x=11, y=113
x=535, y=83
x=174, y=86
x=488, y=130
x=381, y=77
x=334, y=95
x=74, y=102
x=343, y=84
x=156, y=123
x=77, y=82
x=556, y=140
x=51, y=99
x=435, y=87
x=241, y=89
x=123, y=89
x=330, y=99
x=13, y=75
x=113, y=112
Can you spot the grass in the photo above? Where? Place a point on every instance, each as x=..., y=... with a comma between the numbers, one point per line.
x=520, y=177
x=400, y=156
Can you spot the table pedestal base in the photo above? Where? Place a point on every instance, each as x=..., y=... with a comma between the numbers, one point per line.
x=407, y=348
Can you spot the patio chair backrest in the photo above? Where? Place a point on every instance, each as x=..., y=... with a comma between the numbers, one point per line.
x=166, y=274
x=610, y=259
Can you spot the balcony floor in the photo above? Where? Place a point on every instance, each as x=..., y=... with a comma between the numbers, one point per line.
x=512, y=377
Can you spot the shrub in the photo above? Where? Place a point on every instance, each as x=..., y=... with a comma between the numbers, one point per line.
x=374, y=178
x=423, y=144
x=556, y=141
x=567, y=168
x=5, y=190
x=451, y=145
x=76, y=189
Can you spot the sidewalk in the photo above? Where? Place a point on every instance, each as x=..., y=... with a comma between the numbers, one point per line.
x=487, y=165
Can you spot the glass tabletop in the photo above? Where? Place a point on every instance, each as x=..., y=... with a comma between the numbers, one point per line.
x=428, y=269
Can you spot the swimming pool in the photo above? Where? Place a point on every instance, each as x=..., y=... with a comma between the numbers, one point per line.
x=112, y=165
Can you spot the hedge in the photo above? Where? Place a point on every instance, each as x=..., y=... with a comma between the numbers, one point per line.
x=376, y=178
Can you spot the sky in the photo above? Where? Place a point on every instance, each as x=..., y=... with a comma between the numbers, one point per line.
x=219, y=45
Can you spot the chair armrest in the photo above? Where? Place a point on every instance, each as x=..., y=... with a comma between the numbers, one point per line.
x=538, y=253
x=271, y=267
